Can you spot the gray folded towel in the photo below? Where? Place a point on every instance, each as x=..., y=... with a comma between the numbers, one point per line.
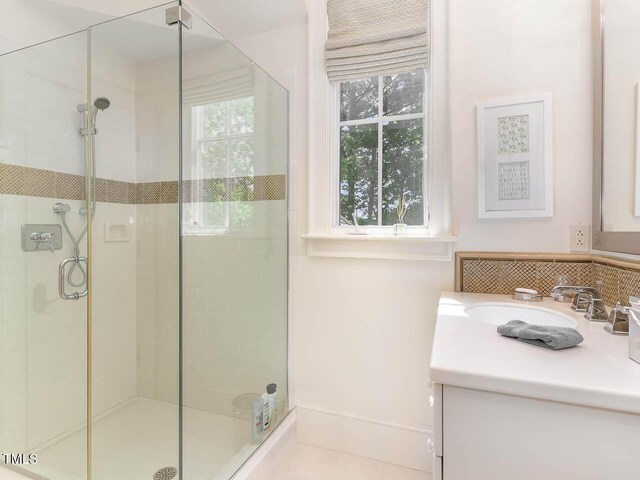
x=555, y=338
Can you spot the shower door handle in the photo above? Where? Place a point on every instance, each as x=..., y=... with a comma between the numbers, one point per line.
x=61, y=279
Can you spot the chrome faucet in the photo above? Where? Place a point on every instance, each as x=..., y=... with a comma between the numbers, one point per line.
x=587, y=299
x=581, y=295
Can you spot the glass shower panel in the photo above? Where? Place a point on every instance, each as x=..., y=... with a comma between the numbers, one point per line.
x=234, y=252
x=43, y=347
x=135, y=315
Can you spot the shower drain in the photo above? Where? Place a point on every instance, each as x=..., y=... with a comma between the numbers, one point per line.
x=166, y=473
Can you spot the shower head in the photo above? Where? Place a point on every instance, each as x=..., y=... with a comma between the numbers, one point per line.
x=61, y=207
x=102, y=103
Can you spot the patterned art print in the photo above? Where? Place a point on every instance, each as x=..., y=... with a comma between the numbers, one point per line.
x=513, y=181
x=513, y=134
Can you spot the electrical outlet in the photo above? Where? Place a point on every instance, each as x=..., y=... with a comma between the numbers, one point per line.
x=579, y=238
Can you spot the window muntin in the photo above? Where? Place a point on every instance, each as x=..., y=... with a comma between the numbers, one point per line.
x=381, y=150
x=223, y=142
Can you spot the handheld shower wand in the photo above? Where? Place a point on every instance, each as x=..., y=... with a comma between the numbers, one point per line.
x=65, y=276
x=100, y=103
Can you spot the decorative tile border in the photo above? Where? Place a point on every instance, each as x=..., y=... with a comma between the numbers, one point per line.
x=17, y=180
x=502, y=273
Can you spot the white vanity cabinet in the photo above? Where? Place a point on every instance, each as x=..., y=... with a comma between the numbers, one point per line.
x=481, y=435
x=506, y=410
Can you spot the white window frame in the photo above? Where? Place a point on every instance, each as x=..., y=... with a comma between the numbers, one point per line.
x=322, y=239
x=380, y=121
x=196, y=119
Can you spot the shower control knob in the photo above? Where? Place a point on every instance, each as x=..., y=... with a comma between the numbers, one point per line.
x=42, y=236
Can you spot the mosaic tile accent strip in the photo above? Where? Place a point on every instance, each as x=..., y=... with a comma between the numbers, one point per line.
x=11, y=179
x=101, y=190
x=270, y=187
x=18, y=180
x=488, y=273
x=68, y=186
x=117, y=191
x=38, y=183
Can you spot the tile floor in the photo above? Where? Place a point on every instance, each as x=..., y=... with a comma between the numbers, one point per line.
x=313, y=463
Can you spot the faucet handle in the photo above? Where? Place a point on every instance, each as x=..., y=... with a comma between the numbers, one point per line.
x=581, y=301
x=596, y=311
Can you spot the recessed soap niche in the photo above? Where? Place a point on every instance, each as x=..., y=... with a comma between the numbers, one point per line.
x=116, y=232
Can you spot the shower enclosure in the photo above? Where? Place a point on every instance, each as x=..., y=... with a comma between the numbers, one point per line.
x=143, y=178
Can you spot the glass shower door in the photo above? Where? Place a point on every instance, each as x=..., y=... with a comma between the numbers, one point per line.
x=43, y=337
x=234, y=254
x=135, y=295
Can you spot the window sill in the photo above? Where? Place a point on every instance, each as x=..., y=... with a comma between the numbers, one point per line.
x=390, y=247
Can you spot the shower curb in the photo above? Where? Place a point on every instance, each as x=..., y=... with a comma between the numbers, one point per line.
x=268, y=456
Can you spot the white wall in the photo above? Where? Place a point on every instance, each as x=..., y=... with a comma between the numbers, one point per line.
x=504, y=49
x=23, y=25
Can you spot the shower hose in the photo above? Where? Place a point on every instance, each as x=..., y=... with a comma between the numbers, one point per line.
x=76, y=242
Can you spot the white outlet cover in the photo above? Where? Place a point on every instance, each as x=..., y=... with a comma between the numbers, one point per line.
x=579, y=238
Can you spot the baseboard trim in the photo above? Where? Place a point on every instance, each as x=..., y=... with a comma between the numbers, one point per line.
x=268, y=456
x=391, y=442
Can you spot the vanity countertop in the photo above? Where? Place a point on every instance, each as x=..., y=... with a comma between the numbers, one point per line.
x=471, y=354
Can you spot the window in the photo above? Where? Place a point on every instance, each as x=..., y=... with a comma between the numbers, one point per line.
x=223, y=144
x=380, y=151
x=363, y=130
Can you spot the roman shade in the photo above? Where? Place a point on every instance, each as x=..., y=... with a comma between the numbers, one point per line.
x=376, y=37
x=218, y=87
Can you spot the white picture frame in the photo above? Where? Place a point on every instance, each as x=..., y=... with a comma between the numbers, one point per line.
x=515, y=157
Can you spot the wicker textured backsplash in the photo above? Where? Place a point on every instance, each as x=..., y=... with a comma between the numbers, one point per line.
x=502, y=273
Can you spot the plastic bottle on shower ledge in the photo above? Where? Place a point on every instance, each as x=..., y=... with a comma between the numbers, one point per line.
x=266, y=417
x=273, y=402
x=257, y=426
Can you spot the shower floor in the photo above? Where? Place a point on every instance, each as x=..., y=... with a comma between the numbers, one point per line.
x=136, y=440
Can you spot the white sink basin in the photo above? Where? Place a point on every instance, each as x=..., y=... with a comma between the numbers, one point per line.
x=499, y=313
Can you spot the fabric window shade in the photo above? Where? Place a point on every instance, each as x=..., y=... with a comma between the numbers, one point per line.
x=371, y=37
x=218, y=87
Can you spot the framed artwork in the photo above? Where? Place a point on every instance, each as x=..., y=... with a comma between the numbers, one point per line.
x=515, y=158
